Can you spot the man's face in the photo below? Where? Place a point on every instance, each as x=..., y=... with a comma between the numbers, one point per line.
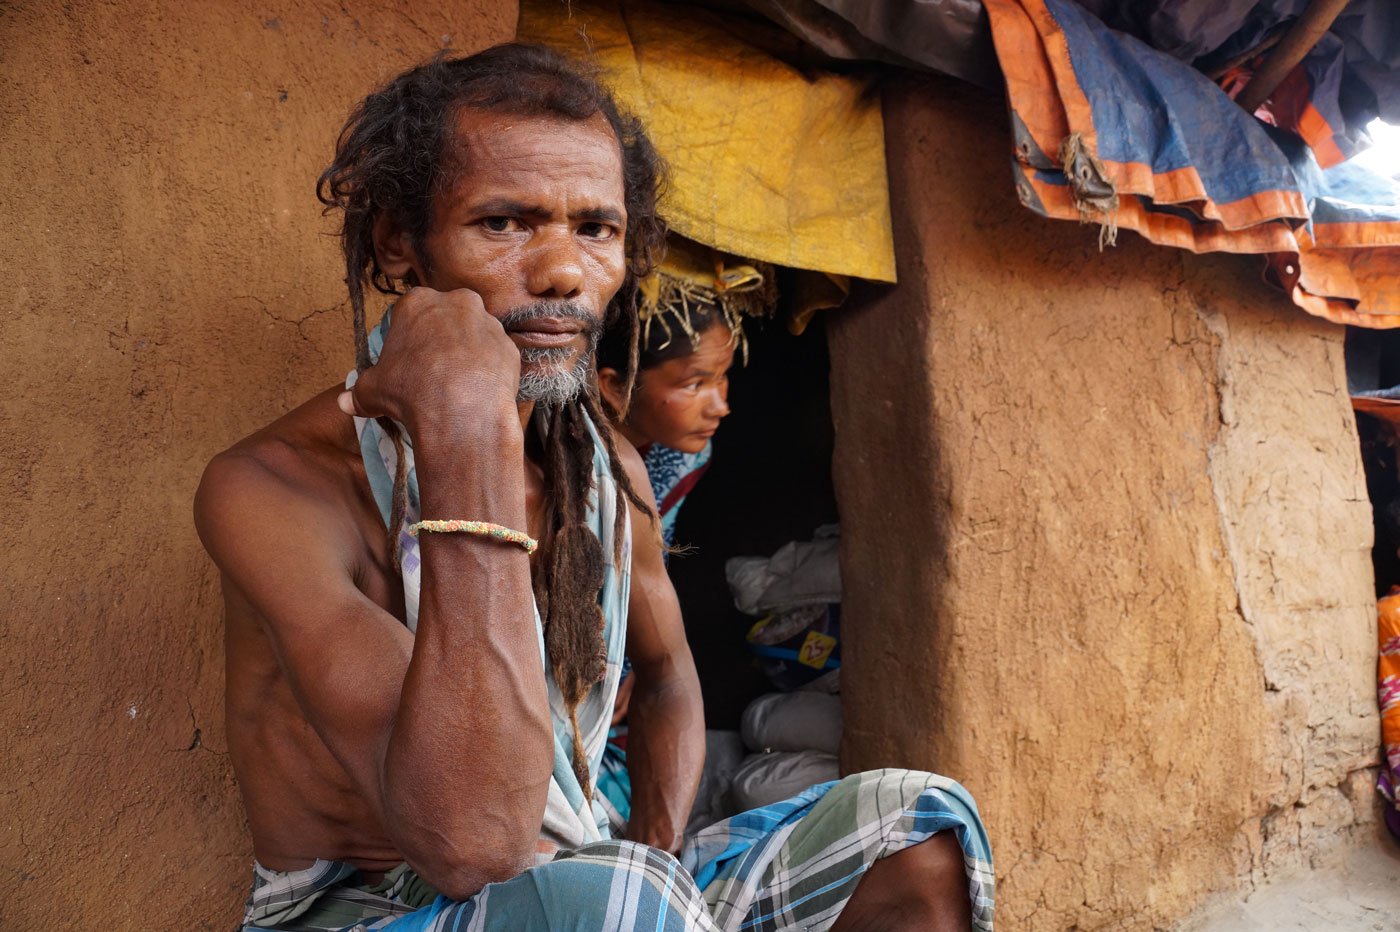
x=534, y=222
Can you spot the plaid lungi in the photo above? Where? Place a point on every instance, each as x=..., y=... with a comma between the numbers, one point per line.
x=788, y=866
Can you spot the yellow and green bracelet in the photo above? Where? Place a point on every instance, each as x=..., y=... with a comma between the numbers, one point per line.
x=483, y=528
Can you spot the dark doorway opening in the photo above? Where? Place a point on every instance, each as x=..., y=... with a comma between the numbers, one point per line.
x=769, y=483
x=1373, y=369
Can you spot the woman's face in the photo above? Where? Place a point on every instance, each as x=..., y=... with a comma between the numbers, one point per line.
x=679, y=403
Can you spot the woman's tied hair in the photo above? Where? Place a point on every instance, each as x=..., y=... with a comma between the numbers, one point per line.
x=395, y=155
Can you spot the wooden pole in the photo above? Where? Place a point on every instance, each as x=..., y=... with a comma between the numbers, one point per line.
x=1271, y=39
x=1291, y=49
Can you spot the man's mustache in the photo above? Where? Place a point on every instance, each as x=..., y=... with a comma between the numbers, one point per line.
x=517, y=317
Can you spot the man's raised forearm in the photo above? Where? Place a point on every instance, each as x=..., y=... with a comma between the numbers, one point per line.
x=469, y=758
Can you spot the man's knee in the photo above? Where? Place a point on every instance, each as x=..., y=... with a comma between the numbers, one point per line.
x=930, y=876
x=923, y=886
x=621, y=884
x=941, y=857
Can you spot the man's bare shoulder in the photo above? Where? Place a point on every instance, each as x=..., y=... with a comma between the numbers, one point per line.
x=646, y=528
x=633, y=465
x=293, y=471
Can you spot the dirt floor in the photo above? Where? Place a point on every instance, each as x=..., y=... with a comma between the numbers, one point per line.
x=1358, y=893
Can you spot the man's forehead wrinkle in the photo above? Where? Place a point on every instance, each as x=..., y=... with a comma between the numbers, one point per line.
x=548, y=165
x=477, y=130
x=542, y=189
x=531, y=153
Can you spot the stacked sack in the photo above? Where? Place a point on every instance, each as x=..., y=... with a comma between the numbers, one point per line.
x=794, y=734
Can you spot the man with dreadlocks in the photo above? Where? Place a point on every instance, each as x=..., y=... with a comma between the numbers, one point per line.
x=418, y=693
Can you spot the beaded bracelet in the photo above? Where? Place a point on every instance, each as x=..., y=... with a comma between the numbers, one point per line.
x=484, y=528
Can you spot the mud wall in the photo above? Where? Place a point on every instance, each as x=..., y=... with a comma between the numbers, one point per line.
x=1112, y=571
x=170, y=290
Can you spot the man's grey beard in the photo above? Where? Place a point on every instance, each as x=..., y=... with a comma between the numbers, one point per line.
x=545, y=377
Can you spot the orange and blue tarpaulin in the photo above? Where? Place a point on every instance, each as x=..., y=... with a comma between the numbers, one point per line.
x=1106, y=128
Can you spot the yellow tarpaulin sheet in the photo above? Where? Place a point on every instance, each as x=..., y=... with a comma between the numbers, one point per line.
x=766, y=161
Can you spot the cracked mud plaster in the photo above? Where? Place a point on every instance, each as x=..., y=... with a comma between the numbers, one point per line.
x=173, y=291
x=1114, y=575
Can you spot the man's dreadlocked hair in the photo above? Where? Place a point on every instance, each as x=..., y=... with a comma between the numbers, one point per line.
x=395, y=154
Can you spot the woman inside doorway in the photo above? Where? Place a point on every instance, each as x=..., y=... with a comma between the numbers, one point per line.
x=692, y=313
